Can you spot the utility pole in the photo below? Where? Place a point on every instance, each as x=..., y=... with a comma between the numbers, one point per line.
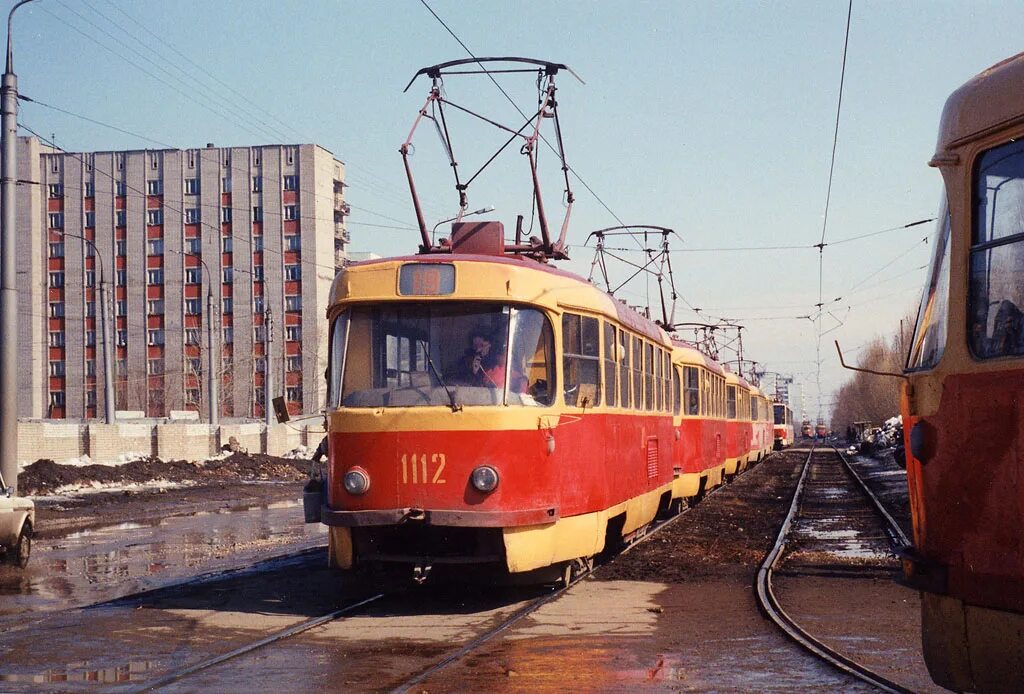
x=8, y=280
x=212, y=377
x=108, y=351
x=268, y=380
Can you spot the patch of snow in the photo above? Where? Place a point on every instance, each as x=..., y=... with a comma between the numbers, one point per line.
x=97, y=487
x=300, y=452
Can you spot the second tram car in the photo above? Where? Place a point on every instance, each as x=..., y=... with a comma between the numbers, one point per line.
x=783, y=429
x=962, y=404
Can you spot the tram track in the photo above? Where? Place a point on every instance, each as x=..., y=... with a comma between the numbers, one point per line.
x=763, y=587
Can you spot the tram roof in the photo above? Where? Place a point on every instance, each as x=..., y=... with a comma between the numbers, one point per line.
x=991, y=100
x=603, y=301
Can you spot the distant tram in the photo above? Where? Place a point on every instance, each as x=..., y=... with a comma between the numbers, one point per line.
x=962, y=407
x=783, y=429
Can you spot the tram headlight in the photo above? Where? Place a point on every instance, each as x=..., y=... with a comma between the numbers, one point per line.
x=484, y=478
x=356, y=481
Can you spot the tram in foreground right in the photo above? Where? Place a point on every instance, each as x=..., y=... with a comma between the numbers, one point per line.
x=962, y=401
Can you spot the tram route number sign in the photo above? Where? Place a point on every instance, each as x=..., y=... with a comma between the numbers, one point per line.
x=426, y=279
x=423, y=468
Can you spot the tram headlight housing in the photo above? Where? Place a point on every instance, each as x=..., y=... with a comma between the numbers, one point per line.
x=484, y=479
x=356, y=481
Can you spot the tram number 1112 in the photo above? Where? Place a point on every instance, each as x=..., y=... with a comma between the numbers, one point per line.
x=416, y=470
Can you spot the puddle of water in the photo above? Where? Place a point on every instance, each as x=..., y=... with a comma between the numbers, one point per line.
x=81, y=672
x=830, y=537
x=103, y=563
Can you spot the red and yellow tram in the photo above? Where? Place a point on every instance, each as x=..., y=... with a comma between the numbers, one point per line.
x=962, y=404
x=492, y=410
x=783, y=428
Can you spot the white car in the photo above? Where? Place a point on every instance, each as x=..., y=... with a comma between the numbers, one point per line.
x=17, y=518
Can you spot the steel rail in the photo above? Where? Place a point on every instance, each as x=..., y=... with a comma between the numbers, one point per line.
x=896, y=534
x=248, y=648
x=770, y=605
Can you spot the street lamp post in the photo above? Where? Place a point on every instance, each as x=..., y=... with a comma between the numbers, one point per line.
x=108, y=352
x=482, y=210
x=212, y=377
x=8, y=280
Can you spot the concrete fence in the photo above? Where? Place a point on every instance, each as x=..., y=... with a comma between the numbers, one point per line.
x=109, y=443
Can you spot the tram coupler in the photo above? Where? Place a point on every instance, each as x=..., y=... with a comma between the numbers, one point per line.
x=420, y=573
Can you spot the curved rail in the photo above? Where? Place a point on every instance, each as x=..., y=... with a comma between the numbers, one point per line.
x=771, y=607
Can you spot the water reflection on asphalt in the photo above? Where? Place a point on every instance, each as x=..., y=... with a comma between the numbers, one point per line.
x=104, y=563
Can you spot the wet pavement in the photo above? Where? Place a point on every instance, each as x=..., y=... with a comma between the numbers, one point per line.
x=101, y=563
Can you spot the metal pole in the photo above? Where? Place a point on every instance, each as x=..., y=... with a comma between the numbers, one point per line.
x=8, y=279
x=211, y=375
x=108, y=353
x=268, y=413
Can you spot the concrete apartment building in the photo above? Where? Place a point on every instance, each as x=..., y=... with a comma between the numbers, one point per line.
x=261, y=227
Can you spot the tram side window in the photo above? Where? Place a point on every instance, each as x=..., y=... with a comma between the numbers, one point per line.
x=730, y=402
x=691, y=388
x=753, y=408
x=339, y=335
x=649, y=378
x=996, y=287
x=668, y=378
x=659, y=380
x=581, y=360
x=930, y=331
x=638, y=361
x=624, y=369
x=677, y=404
x=611, y=366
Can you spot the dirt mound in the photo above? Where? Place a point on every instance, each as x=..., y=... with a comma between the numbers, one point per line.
x=45, y=476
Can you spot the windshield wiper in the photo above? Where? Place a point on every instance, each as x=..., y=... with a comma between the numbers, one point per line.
x=437, y=374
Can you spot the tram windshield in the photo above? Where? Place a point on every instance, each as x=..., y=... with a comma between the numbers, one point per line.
x=420, y=354
x=780, y=414
x=930, y=332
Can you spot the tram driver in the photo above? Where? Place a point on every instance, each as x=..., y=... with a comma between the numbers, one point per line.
x=483, y=365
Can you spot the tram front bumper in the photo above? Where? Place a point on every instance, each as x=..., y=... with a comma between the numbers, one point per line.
x=475, y=519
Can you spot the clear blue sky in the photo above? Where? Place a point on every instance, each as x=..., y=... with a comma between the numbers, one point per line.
x=714, y=119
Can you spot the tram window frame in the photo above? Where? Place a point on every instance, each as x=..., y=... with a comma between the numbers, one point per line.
x=996, y=260
x=611, y=366
x=677, y=392
x=930, y=329
x=730, y=402
x=691, y=387
x=336, y=366
x=638, y=365
x=648, y=350
x=625, y=401
x=659, y=376
x=582, y=334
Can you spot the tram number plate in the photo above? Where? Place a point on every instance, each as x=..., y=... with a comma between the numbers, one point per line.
x=423, y=468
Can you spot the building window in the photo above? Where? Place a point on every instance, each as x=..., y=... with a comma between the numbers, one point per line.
x=56, y=220
x=121, y=307
x=155, y=367
x=90, y=398
x=57, y=309
x=225, y=185
x=56, y=279
x=257, y=243
x=57, y=339
x=57, y=368
x=193, y=246
x=259, y=333
x=293, y=363
x=228, y=305
x=90, y=220
x=90, y=367
x=55, y=190
x=228, y=274
x=293, y=303
x=192, y=215
x=121, y=367
x=192, y=275
x=120, y=218
x=293, y=333
x=90, y=338
x=155, y=276
x=292, y=242
x=155, y=307
x=90, y=189
x=155, y=337
x=90, y=309
x=291, y=212
x=120, y=278
x=260, y=365
x=57, y=399
x=120, y=189
x=257, y=273
x=154, y=187
x=154, y=217
x=294, y=393
x=227, y=243
x=291, y=182
x=193, y=307
x=192, y=396
x=90, y=250
x=191, y=186
x=229, y=335
x=121, y=247
x=90, y=278
x=57, y=249
x=225, y=215
x=257, y=304
x=155, y=247
x=257, y=213
x=192, y=338
x=292, y=272
x=193, y=364
x=257, y=184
